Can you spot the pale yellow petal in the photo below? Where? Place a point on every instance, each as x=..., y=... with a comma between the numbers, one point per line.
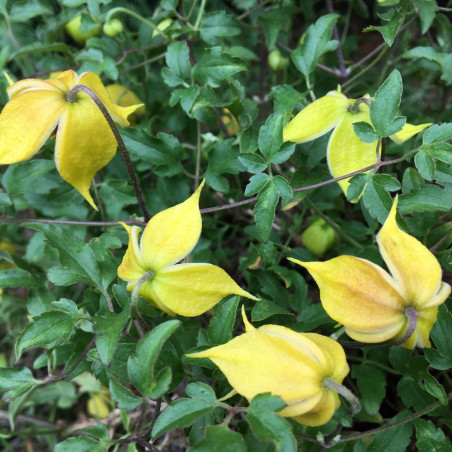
x=192, y=289
x=131, y=268
x=317, y=118
x=378, y=335
x=32, y=84
x=124, y=97
x=357, y=293
x=346, y=153
x=412, y=265
x=84, y=145
x=147, y=293
x=256, y=362
x=119, y=114
x=26, y=122
x=171, y=234
x=408, y=130
x=322, y=412
x=425, y=321
x=248, y=326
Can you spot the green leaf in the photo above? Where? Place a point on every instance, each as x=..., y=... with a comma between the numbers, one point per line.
x=435, y=388
x=140, y=366
x=271, y=135
x=184, y=411
x=48, y=328
x=429, y=438
x=425, y=165
x=427, y=11
x=213, y=67
x=81, y=444
x=219, y=438
x=357, y=184
x=268, y=426
x=222, y=323
x=264, y=209
x=437, y=133
x=395, y=439
x=285, y=98
x=411, y=180
x=444, y=60
x=283, y=187
x=426, y=198
x=365, y=132
x=441, y=334
x=25, y=10
x=124, y=398
x=254, y=163
x=315, y=43
x=108, y=328
x=265, y=309
x=4, y=200
x=394, y=18
x=383, y=109
x=169, y=5
x=15, y=277
x=257, y=182
x=372, y=386
x=20, y=177
x=75, y=255
x=376, y=197
x=178, y=61
x=218, y=24
x=283, y=154
x=15, y=382
x=161, y=383
x=186, y=97
x=439, y=151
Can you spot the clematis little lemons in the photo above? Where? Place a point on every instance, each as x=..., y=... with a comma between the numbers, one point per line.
x=295, y=366
x=184, y=289
x=346, y=153
x=84, y=141
x=375, y=306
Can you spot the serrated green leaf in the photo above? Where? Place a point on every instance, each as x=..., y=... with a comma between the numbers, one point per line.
x=124, y=398
x=214, y=66
x=222, y=323
x=108, y=328
x=219, y=438
x=284, y=153
x=271, y=135
x=178, y=61
x=365, y=132
x=394, y=19
x=411, y=180
x=437, y=133
x=140, y=366
x=315, y=43
x=16, y=277
x=257, y=182
x=268, y=426
x=161, y=383
x=81, y=444
x=15, y=382
x=254, y=163
x=218, y=24
x=264, y=209
x=377, y=200
x=184, y=411
x=427, y=11
x=425, y=165
x=75, y=255
x=444, y=60
x=283, y=187
x=383, y=109
x=49, y=327
x=20, y=177
x=435, y=388
x=429, y=438
x=285, y=98
x=4, y=200
x=356, y=187
x=25, y=10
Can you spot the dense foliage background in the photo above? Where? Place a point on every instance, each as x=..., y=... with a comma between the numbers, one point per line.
x=219, y=79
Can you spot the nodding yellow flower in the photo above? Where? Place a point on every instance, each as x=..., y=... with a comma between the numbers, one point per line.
x=346, y=153
x=184, y=289
x=84, y=141
x=375, y=306
x=291, y=365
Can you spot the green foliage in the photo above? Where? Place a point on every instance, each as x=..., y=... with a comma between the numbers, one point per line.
x=76, y=349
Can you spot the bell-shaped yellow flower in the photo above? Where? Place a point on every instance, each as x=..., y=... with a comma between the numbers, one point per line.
x=375, y=306
x=291, y=365
x=346, y=153
x=84, y=141
x=184, y=289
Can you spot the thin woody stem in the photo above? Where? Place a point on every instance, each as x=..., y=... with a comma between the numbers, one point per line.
x=340, y=57
x=125, y=154
x=138, y=320
x=71, y=222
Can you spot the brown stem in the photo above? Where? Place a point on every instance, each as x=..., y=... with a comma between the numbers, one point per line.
x=71, y=222
x=71, y=96
x=340, y=57
x=437, y=244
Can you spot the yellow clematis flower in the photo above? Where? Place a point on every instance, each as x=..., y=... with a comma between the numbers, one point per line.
x=346, y=153
x=184, y=289
x=375, y=306
x=291, y=365
x=84, y=141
